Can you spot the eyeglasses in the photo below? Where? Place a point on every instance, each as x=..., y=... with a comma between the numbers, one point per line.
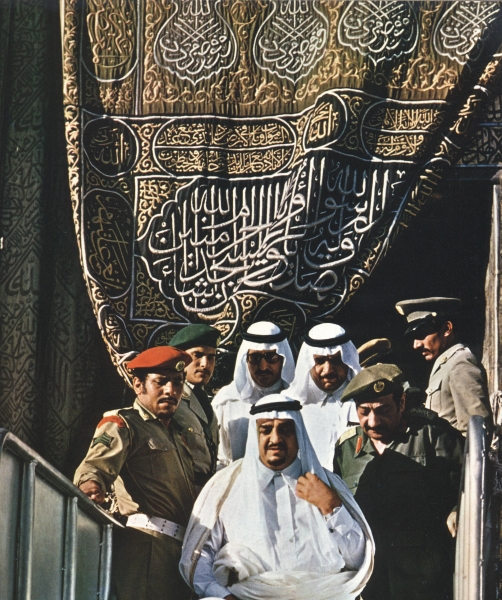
x=257, y=357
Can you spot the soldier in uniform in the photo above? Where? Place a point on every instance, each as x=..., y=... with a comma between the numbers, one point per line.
x=195, y=413
x=457, y=384
x=145, y=447
x=403, y=469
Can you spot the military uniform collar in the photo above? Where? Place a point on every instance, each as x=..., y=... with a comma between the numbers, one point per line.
x=364, y=445
x=190, y=397
x=145, y=414
x=446, y=355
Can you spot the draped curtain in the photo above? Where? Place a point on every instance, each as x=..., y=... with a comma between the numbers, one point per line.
x=232, y=160
x=225, y=161
x=54, y=371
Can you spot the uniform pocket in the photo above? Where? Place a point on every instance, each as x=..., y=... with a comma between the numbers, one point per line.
x=434, y=395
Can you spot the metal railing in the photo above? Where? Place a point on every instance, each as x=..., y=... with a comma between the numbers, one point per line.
x=55, y=543
x=471, y=548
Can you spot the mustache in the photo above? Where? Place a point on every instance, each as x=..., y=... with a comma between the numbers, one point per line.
x=378, y=429
x=279, y=446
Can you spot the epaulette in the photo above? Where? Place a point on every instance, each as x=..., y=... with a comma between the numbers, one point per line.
x=428, y=417
x=346, y=435
x=115, y=416
x=423, y=413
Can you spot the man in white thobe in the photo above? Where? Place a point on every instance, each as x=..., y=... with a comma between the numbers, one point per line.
x=264, y=365
x=275, y=524
x=327, y=361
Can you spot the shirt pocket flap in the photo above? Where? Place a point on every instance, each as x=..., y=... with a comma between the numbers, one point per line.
x=434, y=386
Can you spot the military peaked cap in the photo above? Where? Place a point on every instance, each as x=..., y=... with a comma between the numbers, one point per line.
x=373, y=382
x=427, y=313
x=195, y=335
x=161, y=357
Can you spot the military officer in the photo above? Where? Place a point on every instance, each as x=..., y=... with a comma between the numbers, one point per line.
x=195, y=413
x=145, y=447
x=403, y=469
x=457, y=384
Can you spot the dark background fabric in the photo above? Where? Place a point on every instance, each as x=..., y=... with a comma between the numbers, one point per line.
x=56, y=376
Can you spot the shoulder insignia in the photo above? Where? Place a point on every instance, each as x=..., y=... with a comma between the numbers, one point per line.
x=424, y=413
x=104, y=439
x=119, y=421
x=346, y=435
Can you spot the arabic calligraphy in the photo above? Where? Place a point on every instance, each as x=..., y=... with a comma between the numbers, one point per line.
x=223, y=146
x=390, y=129
x=463, y=26
x=380, y=30
x=196, y=42
x=292, y=39
x=108, y=235
x=112, y=38
x=110, y=145
x=326, y=123
x=289, y=235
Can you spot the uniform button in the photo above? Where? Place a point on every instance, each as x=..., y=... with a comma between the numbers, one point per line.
x=190, y=429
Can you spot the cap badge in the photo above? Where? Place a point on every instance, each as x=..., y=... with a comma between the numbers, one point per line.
x=180, y=365
x=379, y=386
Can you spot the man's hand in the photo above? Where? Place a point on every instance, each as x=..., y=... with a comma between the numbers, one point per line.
x=313, y=490
x=93, y=490
x=451, y=523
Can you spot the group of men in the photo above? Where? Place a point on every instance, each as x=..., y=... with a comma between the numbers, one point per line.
x=310, y=481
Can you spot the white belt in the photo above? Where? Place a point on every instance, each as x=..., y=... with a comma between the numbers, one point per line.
x=157, y=524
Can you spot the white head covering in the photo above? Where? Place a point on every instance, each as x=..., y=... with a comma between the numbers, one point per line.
x=245, y=502
x=237, y=492
x=324, y=339
x=263, y=335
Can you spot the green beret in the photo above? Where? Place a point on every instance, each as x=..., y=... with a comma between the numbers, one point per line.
x=192, y=336
x=374, y=382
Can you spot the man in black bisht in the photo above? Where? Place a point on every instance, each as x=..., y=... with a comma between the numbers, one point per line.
x=403, y=468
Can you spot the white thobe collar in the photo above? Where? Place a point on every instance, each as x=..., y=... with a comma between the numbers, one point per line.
x=290, y=473
x=318, y=396
x=259, y=392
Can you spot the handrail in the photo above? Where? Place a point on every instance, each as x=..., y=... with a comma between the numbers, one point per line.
x=54, y=541
x=470, y=560
x=12, y=443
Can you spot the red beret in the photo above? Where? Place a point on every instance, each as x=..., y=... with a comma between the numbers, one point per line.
x=161, y=357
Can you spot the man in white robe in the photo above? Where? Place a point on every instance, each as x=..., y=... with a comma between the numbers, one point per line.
x=275, y=524
x=264, y=365
x=327, y=361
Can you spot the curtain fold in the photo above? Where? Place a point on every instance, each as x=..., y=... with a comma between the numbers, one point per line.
x=242, y=159
x=51, y=354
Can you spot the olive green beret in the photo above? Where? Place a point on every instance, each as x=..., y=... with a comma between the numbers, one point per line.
x=373, y=382
x=192, y=336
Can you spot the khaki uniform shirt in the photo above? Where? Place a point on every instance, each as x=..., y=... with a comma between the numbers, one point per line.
x=152, y=460
x=201, y=435
x=457, y=387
